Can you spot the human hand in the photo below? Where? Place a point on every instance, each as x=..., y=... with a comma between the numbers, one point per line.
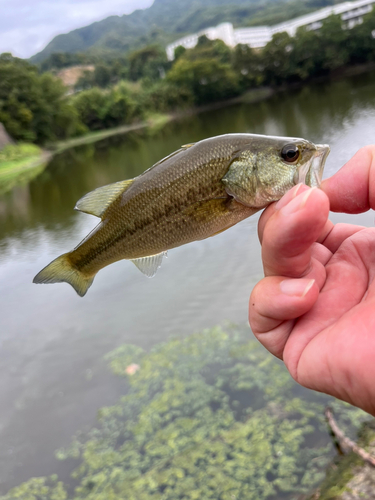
x=315, y=308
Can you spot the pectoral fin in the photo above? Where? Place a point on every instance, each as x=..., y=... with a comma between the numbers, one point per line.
x=149, y=265
x=96, y=202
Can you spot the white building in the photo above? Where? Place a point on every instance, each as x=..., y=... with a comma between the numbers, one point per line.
x=257, y=37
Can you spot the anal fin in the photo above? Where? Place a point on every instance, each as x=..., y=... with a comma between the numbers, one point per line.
x=149, y=265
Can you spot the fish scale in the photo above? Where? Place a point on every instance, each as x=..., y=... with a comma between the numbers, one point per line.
x=192, y=194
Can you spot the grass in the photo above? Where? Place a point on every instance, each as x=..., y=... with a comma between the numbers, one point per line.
x=20, y=163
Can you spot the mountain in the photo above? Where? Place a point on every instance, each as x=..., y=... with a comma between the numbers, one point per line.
x=167, y=20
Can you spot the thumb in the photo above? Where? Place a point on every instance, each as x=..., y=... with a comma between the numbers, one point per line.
x=291, y=231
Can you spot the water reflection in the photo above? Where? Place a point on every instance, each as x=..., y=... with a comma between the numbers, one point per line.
x=49, y=337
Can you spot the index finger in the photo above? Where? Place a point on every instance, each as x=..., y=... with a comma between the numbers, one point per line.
x=352, y=189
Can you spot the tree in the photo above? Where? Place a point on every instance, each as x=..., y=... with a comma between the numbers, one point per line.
x=309, y=55
x=279, y=59
x=148, y=62
x=178, y=52
x=102, y=75
x=85, y=82
x=334, y=43
x=100, y=110
x=207, y=48
x=165, y=96
x=247, y=64
x=32, y=106
x=92, y=107
x=208, y=79
x=361, y=42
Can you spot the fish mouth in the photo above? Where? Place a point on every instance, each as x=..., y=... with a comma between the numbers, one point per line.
x=315, y=167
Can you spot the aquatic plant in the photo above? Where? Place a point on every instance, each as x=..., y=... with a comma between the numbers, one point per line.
x=38, y=488
x=209, y=416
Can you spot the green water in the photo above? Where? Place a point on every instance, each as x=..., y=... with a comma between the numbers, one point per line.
x=52, y=374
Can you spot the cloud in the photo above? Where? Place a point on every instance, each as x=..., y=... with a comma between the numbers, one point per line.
x=26, y=27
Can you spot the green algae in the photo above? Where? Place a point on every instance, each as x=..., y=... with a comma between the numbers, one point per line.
x=209, y=416
x=38, y=488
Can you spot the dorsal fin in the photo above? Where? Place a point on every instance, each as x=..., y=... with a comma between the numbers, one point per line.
x=181, y=150
x=96, y=202
x=149, y=265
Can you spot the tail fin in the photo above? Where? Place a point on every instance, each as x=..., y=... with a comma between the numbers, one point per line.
x=60, y=270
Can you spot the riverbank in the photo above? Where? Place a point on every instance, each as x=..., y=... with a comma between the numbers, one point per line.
x=157, y=121
x=153, y=122
x=20, y=163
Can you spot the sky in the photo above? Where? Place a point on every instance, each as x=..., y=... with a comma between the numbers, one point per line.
x=26, y=26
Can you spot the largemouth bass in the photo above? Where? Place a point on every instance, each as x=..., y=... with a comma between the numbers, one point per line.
x=192, y=194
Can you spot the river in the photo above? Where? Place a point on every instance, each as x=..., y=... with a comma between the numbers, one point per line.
x=52, y=375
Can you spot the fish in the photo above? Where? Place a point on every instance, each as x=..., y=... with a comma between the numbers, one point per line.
x=194, y=193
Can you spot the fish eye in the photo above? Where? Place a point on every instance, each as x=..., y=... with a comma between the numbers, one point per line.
x=290, y=153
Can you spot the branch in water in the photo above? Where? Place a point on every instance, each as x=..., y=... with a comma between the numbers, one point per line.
x=345, y=442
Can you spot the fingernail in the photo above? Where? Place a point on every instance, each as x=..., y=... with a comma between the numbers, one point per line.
x=297, y=203
x=290, y=195
x=296, y=287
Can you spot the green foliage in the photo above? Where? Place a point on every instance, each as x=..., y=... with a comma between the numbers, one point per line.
x=19, y=163
x=308, y=56
x=106, y=73
x=99, y=110
x=248, y=66
x=163, y=96
x=207, y=49
x=278, y=12
x=178, y=52
x=32, y=107
x=85, y=82
x=334, y=43
x=59, y=60
x=149, y=62
x=278, y=58
x=102, y=75
x=315, y=53
x=361, y=43
x=38, y=488
x=16, y=152
x=209, y=80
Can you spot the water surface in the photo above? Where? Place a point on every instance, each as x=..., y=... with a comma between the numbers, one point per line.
x=52, y=377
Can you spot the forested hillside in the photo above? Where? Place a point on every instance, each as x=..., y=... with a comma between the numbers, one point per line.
x=167, y=20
